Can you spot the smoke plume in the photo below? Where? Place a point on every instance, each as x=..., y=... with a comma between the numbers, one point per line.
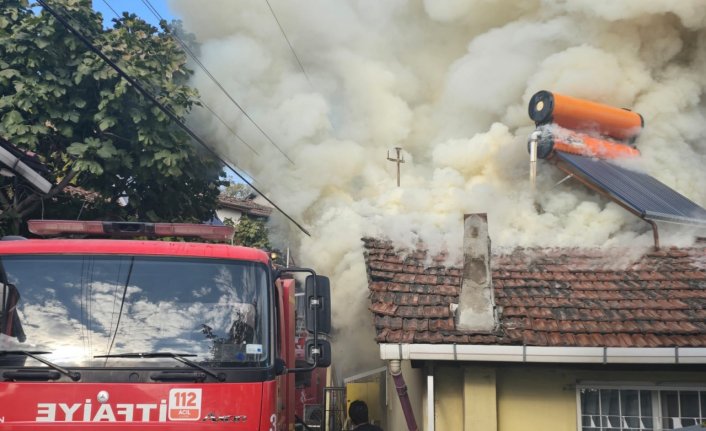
x=448, y=81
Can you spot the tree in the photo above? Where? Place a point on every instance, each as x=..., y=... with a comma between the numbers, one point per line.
x=250, y=232
x=89, y=127
x=238, y=191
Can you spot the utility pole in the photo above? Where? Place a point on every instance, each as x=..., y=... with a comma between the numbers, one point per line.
x=399, y=159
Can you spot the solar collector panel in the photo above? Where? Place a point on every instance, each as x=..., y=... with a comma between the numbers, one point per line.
x=645, y=195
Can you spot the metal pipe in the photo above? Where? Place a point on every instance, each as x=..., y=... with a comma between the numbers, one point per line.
x=655, y=233
x=401, y=386
x=431, y=422
x=533, y=143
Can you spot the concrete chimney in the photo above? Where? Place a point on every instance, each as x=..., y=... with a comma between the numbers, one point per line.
x=476, y=309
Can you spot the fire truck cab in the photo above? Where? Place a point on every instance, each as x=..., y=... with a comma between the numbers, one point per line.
x=125, y=333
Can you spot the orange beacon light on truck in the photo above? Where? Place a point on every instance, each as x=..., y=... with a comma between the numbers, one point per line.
x=577, y=114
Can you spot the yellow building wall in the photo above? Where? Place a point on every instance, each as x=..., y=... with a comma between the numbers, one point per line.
x=527, y=398
x=479, y=399
x=448, y=398
x=531, y=399
x=544, y=398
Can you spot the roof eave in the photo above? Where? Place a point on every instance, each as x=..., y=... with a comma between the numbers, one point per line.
x=544, y=354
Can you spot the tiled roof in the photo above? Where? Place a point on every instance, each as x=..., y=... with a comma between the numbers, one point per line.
x=246, y=206
x=546, y=297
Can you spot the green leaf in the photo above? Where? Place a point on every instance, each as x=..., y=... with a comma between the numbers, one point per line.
x=12, y=118
x=106, y=123
x=106, y=151
x=41, y=43
x=77, y=149
x=9, y=73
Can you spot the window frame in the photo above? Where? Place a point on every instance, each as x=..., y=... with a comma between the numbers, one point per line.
x=654, y=388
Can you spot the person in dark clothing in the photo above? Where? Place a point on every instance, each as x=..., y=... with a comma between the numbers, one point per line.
x=358, y=414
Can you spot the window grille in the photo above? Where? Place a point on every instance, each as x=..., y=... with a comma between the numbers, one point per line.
x=643, y=409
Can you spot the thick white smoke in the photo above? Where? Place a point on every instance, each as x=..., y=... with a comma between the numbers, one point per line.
x=449, y=82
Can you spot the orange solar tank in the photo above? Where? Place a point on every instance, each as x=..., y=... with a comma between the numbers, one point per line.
x=583, y=115
x=579, y=143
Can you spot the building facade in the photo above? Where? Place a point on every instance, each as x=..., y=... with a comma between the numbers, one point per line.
x=582, y=339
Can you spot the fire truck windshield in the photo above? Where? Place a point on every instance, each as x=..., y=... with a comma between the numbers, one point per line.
x=81, y=306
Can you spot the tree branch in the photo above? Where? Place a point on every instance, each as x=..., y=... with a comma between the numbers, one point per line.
x=30, y=204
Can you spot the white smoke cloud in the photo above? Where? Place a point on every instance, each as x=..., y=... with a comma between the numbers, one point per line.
x=449, y=82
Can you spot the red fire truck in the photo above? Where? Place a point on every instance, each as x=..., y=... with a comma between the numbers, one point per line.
x=126, y=333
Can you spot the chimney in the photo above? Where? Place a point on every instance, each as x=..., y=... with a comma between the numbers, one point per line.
x=476, y=310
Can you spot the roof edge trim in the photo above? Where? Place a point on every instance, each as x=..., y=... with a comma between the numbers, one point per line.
x=544, y=354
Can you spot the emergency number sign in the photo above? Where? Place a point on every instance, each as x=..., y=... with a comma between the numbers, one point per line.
x=184, y=404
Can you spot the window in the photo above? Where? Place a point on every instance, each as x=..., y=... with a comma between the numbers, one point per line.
x=605, y=408
x=78, y=307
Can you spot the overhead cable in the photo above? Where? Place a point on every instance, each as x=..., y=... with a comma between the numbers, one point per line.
x=291, y=48
x=168, y=112
x=198, y=62
x=205, y=105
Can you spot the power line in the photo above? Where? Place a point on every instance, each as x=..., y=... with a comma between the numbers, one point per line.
x=291, y=48
x=168, y=112
x=205, y=105
x=189, y=52
x=111, y=8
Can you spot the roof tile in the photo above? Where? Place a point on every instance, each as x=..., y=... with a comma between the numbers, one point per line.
x=557, y=297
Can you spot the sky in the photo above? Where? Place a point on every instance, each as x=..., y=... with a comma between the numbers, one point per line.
x=135, y=6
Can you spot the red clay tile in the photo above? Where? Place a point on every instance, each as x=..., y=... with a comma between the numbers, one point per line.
x=611, y=340
x=546, y=325
x=534, y=338
x=395, y=323
x=539, y=312
x=381, y=275
x=418, y=288
x=570, y=326
x=655, y=301
x=385, y=309
x=431, y=311
x=625, y=340
x=398, y=287
x=409, y=311
x=415, y=324
x=428, y=337
x=407, y=299
x=385, y=266
x=404, y=278
x=378, y=286
x=446, y=289
x=457, y=339
x=441, y=325
x=382, y=321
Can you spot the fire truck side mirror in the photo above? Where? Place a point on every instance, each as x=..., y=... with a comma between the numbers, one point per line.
x=280, y=366
x=318, y=355
x=318, y=311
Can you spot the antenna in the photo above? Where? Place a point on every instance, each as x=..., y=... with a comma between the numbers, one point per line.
x=399, y=159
